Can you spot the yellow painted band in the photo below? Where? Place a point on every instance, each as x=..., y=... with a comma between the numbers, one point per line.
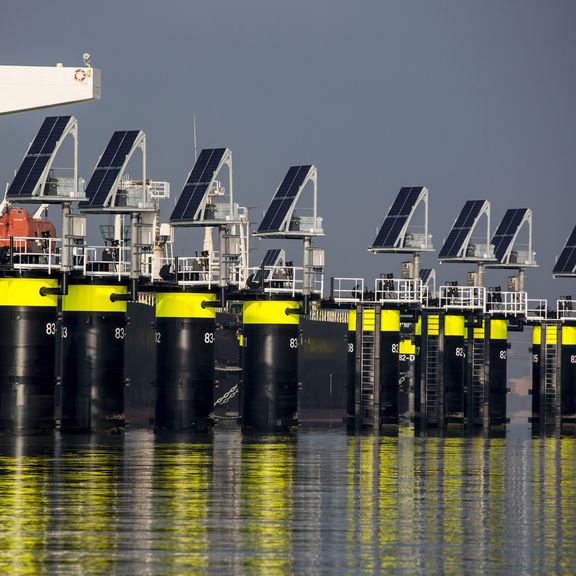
x=537, y=335
x=498, y=329
x=368, y=319
x=479, y=333
x=418, y=327
x=453, y=325
x=389, y=320
x=551, y=335
x=407, y=347
x=270, y=312
x=184, y=305
x=352, y=321
x=568, y=335
x=93, y=298
x=26, y=292
x=433, y=325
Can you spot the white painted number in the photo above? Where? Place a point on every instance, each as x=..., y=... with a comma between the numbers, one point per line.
x=50, y=328
x=209, y=338
x=503, y=355
x=573, y=359
x=460, y=352
x=158, y=336
x=350, y=347
x=119, y=333
x=395, y=348
x=293, y=342
x=535, y=358
x=64, y=332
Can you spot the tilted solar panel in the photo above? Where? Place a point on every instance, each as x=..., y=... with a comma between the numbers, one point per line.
x=38, y=156
x=566, y=263
x=461, y=229
x=507, y=230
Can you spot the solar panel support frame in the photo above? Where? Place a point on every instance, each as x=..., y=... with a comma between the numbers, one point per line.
x=530, y=262
x=284, y=229
x=108, y=206
x=465, y=258
x=38, y=195
x=426, y=246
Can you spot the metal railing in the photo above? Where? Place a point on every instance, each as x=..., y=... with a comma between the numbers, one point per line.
x=291, y=282
x=507, y=303
x=565, y=309
x=31, y=253
x=198, y=270
x=536, y=309
x=348, y=290
x=398, y=291
x=463, y=297
x=103, y=260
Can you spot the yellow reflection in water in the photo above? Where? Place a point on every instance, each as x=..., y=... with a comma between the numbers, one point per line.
x=23, y=511
x=182, y=483
x=266, y=489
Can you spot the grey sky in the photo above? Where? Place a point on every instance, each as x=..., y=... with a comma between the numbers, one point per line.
x=472, y=99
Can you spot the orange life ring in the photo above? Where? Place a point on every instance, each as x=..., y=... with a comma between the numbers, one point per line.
x=80, y=74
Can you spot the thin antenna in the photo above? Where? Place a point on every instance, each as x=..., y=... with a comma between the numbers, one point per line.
x=195, y=142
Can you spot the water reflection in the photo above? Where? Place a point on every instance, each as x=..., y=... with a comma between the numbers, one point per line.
x=320, y=502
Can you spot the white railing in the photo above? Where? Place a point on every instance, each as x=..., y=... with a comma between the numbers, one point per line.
x=536, y=309
x=463, y=297
x=328, y=315
x=398, y=290
x=290, y=282
x=348, y=290
x=507, y=303
x=32, y=253
x=565, y=309
x=198, y=270
x=103, y=260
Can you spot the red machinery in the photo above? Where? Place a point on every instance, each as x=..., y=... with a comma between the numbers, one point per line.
x=17, y=223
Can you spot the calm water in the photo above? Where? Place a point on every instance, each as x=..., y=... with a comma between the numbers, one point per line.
x=321, y=502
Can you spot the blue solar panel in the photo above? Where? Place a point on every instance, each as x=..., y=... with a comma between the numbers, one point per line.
x=284, y=199
x=197, y=185
x=271, y=259
x=108, y=168
x=507, y=230
x=461, y=229
x=397, y=216
x=38, y=156
x=566, y=263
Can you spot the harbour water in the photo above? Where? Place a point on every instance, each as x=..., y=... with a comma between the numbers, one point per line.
x=317, y=502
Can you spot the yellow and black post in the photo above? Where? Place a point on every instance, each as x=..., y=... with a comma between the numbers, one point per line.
x=351, y=371
x=269, y=391
x=454, y=369
x=185, y=332
x=568, y=375
x=93, y=342
x=497, y=336
x=389, y=366
x=27, y=354
x=536, y=360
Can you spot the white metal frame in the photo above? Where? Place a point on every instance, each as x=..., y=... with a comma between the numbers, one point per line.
x=528, y=260
x=463, y=297
x=565, y=309
x=398, y=291
x=507, y=303
x=348, y=290
x=536, y=309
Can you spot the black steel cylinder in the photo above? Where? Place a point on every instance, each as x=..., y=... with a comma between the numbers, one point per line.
x=497, y=373
x=389, y=366
x=185, y=331
x=27, y=354
x=351, y=371
x=454, y=368
x=536, y=359
x=568, y=373
x=269, y=391
x=93, y=342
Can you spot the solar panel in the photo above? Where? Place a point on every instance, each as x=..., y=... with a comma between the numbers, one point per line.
x=272, y=258
x=397, y=216
x=566, y=263
x=198, y=184
x=284, y=199
x=507, y=230
x=461, y=229
x=108, y=168
x=38, y=155
x=425, y=274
